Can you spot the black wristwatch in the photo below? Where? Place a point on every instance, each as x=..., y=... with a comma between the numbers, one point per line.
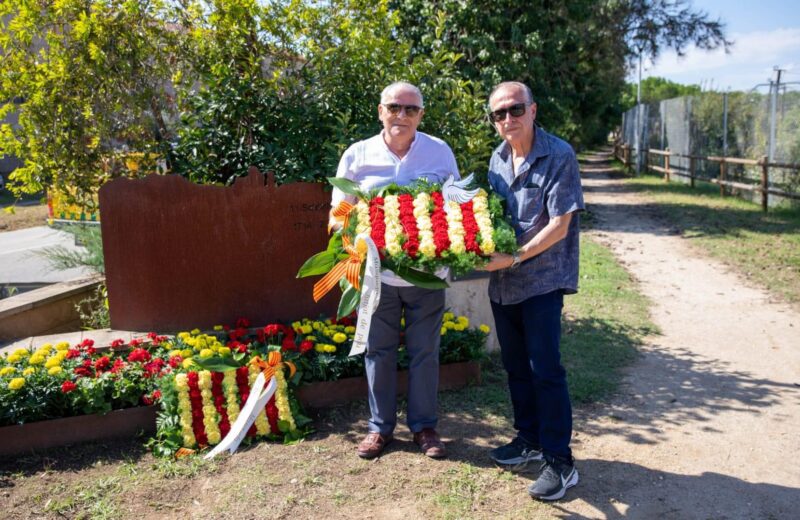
x=517, y=260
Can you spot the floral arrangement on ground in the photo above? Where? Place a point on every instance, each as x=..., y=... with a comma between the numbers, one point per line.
x=201, y=380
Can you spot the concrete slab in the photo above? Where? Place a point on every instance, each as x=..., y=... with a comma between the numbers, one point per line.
x=21, y=261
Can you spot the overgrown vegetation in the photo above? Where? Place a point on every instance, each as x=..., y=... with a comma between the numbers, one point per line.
x=764, y=247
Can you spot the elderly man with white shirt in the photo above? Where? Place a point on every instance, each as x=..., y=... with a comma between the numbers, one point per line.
x=400, y=154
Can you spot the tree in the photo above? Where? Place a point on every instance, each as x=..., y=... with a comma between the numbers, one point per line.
x=574, y=54
x=655, y=89
x=91, y=76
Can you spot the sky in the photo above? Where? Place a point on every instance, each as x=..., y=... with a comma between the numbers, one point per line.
x=766, y=33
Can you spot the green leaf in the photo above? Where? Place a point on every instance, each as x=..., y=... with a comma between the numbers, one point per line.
x=318, y=264
x=417, y=277
x=216, y=363
x=347, y=186
x=349, y=301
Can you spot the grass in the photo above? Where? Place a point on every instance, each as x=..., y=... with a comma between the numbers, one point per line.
x=764, y=247
x=29, y=212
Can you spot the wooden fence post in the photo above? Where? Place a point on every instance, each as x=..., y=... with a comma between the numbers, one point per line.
x=666, y=166
x=691, y=171
x=722, y=177
x=626, y=154
x=764, y=183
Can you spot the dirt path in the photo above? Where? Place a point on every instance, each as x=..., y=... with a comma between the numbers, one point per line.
x=708, y=421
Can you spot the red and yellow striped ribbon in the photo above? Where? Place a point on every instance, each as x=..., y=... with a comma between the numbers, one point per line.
x=341, y=214
x=273, y=363
x=349, y=268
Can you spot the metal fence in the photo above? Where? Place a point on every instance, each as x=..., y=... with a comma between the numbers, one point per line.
x=753, y=125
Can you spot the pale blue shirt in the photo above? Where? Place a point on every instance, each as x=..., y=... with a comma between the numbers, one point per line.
x=372, y=165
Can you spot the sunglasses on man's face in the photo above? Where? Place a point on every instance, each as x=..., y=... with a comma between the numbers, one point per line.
x=394, y=108
x=515, y=111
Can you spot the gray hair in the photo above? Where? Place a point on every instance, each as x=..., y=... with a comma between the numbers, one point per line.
x=401, y=85
x=518, y=84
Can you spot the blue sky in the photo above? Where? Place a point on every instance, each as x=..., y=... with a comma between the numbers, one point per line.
x=765, y=33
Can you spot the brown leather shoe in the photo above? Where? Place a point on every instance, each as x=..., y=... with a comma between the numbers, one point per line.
x=431, y=444
x=373, y=445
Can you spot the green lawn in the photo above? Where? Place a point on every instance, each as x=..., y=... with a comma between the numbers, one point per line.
x=764, y=247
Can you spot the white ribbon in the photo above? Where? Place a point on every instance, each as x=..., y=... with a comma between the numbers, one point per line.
x=259, y=396
x=370, y=295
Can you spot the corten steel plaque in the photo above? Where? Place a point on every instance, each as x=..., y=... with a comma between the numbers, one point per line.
x=180, y=255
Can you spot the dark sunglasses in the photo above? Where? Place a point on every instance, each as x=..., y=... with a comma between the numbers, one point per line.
x=515, y=111
x=394, y=108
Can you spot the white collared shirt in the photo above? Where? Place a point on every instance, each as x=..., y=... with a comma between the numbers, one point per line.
x=372, y=165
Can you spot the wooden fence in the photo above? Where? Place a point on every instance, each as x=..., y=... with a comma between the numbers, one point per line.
x=622, y=151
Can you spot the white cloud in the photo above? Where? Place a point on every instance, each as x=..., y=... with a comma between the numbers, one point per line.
x=750, y=60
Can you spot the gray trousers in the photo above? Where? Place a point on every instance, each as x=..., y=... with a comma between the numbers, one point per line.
x=423, y=309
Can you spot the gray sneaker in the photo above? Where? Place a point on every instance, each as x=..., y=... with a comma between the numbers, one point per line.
x=516, y=454
x=557, y=476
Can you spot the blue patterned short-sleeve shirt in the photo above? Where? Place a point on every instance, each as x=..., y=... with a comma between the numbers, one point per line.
x=548, y=184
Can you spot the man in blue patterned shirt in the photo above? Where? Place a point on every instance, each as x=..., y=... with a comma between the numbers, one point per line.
x=537, y=173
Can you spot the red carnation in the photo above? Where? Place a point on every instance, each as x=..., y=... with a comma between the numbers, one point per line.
x=470, y=227
x=273, y=329
x=118, y=365
x=138, y=355
x=68, y=386
x=136, y=342
x=118, y=343
x=82, y=372
x=376, y=219
x=87, y=343
x=409, y=223
x=73, y=353
x=288, y=344
x=242, y=323
x=439, y=223
x=305, y=346
x=102, y=364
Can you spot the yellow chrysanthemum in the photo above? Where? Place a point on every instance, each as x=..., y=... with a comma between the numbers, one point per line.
x=62, y=345
x=206, y=353
x=218, y=327
x=54, y=371
x=52, y=362
x=195, y=332
x=443, y=331
x=224, y=351
x=187, y=363
x=306, y=329
x=13, y=358
x=36, y=359
x=449, y=316
x=28, y=371
x=484, y=328
x=340, y=337
x=16, y=383
x=6, y=371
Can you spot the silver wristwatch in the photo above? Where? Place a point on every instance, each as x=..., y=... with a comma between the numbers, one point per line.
x=517, y=260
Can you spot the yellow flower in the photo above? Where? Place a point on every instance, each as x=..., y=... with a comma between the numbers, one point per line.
x=54, y=371
x=449, y=325
x=36, y=359
x=28, y=371
x=312, y=339
x=7, y=371
x=459, y=327
x=187, y=353
x=16, y=383
x=296, y=325
x=187, y=363
x=306, y=329
x=173, y=353
x=206, y=353
x=218, y=327
x=448, y=316
x=443, y=331
x=339, y=337
x=183, y=335
x=47, y=347
x=317, y=325
x=484, y=328
x=330, y=348
x=224, y=351
x=62, y=345
x=195, y=332
x=463, y=320
x=13, y=358
x=52, y=362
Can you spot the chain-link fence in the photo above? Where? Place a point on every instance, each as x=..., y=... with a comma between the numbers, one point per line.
x=715, y=124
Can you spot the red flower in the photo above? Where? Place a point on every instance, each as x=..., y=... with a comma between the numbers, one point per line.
x=242, y=323
x=118, y=365
x=136, y=342
x=87, y=362
x=73, y=353
x=68, y=386
x=439, y=223
x=155, y=366
x=102, y=363
x=152, y=398
x=288, y=344
x=138, y=355
x=273, y=329
x=82, y=372
x=118, y=343
x=376, y=219
x=272, y=415
x=174, y=361
x=305, y=346
x=87, y=343
x=470, y=227
x=152, y=336
x=409, y=223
